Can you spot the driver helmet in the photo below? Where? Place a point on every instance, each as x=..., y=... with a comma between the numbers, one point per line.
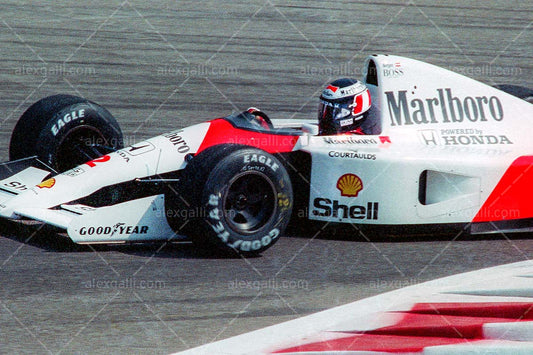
x=342, y=107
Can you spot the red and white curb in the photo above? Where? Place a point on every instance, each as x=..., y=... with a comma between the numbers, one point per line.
x=488, y=311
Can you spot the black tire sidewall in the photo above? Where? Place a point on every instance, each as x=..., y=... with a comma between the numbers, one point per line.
x=24, y=138
x=241, y=162
x=64, y=121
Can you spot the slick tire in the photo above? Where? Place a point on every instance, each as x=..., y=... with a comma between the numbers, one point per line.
x=239, y=198
x=64, y=131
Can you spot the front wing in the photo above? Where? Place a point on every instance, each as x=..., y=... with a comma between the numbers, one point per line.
x=141, y=219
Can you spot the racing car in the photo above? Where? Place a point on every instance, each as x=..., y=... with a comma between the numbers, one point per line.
x=444, y=150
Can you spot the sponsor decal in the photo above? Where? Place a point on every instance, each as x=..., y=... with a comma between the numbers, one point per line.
x=324, y=207
x=119, y=228
x=349, y=185
x=385, y=142
x=347, y=121
x=445, y=107
x=141, y=148
x=177, y=140
x=352, y=155
x=214, y=214
x=391, y=70
x=334, y=92
x=482, y=151
x=123, y=155
x=62, y=121
x=384, y=139
x=246, y=245
x=94, y=162
x=461, y=137
x=330, y=104
x=283, y=201
x=352, y=90
x=259, y=158
x=74, y=172
x=16, y=185
x=47, y=184
x=349, y=140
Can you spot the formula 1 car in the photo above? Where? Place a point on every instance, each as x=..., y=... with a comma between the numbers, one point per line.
x=442, y=150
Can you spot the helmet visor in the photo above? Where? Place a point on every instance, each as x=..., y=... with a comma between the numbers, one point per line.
x=334, y=111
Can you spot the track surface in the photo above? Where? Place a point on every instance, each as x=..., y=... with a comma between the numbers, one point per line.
x=161, y=65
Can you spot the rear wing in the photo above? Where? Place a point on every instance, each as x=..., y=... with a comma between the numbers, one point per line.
x=412, y=96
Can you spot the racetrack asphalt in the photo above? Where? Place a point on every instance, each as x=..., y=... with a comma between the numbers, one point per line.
x=163, y=65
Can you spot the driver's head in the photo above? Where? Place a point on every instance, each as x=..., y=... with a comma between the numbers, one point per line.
x=342, y=106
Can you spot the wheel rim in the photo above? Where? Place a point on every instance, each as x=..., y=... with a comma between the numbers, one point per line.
x=249, y=202
x=80, y=145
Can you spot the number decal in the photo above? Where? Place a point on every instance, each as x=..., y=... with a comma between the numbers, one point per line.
x=102, y=159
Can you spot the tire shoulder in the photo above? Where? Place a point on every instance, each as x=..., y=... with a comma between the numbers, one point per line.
x=33, y=120
x=193, y=186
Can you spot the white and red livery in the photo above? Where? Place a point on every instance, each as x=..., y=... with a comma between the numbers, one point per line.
x=442, y=150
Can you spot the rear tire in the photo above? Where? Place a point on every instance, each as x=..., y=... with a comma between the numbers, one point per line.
x=518, y=91
x=64, y=131
x=232, y=198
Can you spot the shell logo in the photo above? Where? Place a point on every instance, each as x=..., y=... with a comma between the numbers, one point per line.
x=47, y=184
x=349, y=185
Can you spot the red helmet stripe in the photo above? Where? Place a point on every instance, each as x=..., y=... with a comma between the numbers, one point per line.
x=362, y=103
x=358, y=107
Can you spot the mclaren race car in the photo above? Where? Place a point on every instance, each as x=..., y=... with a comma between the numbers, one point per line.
x=442, y=150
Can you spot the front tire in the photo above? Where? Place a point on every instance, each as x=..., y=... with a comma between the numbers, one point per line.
x=240, y=199
x=64, y=131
